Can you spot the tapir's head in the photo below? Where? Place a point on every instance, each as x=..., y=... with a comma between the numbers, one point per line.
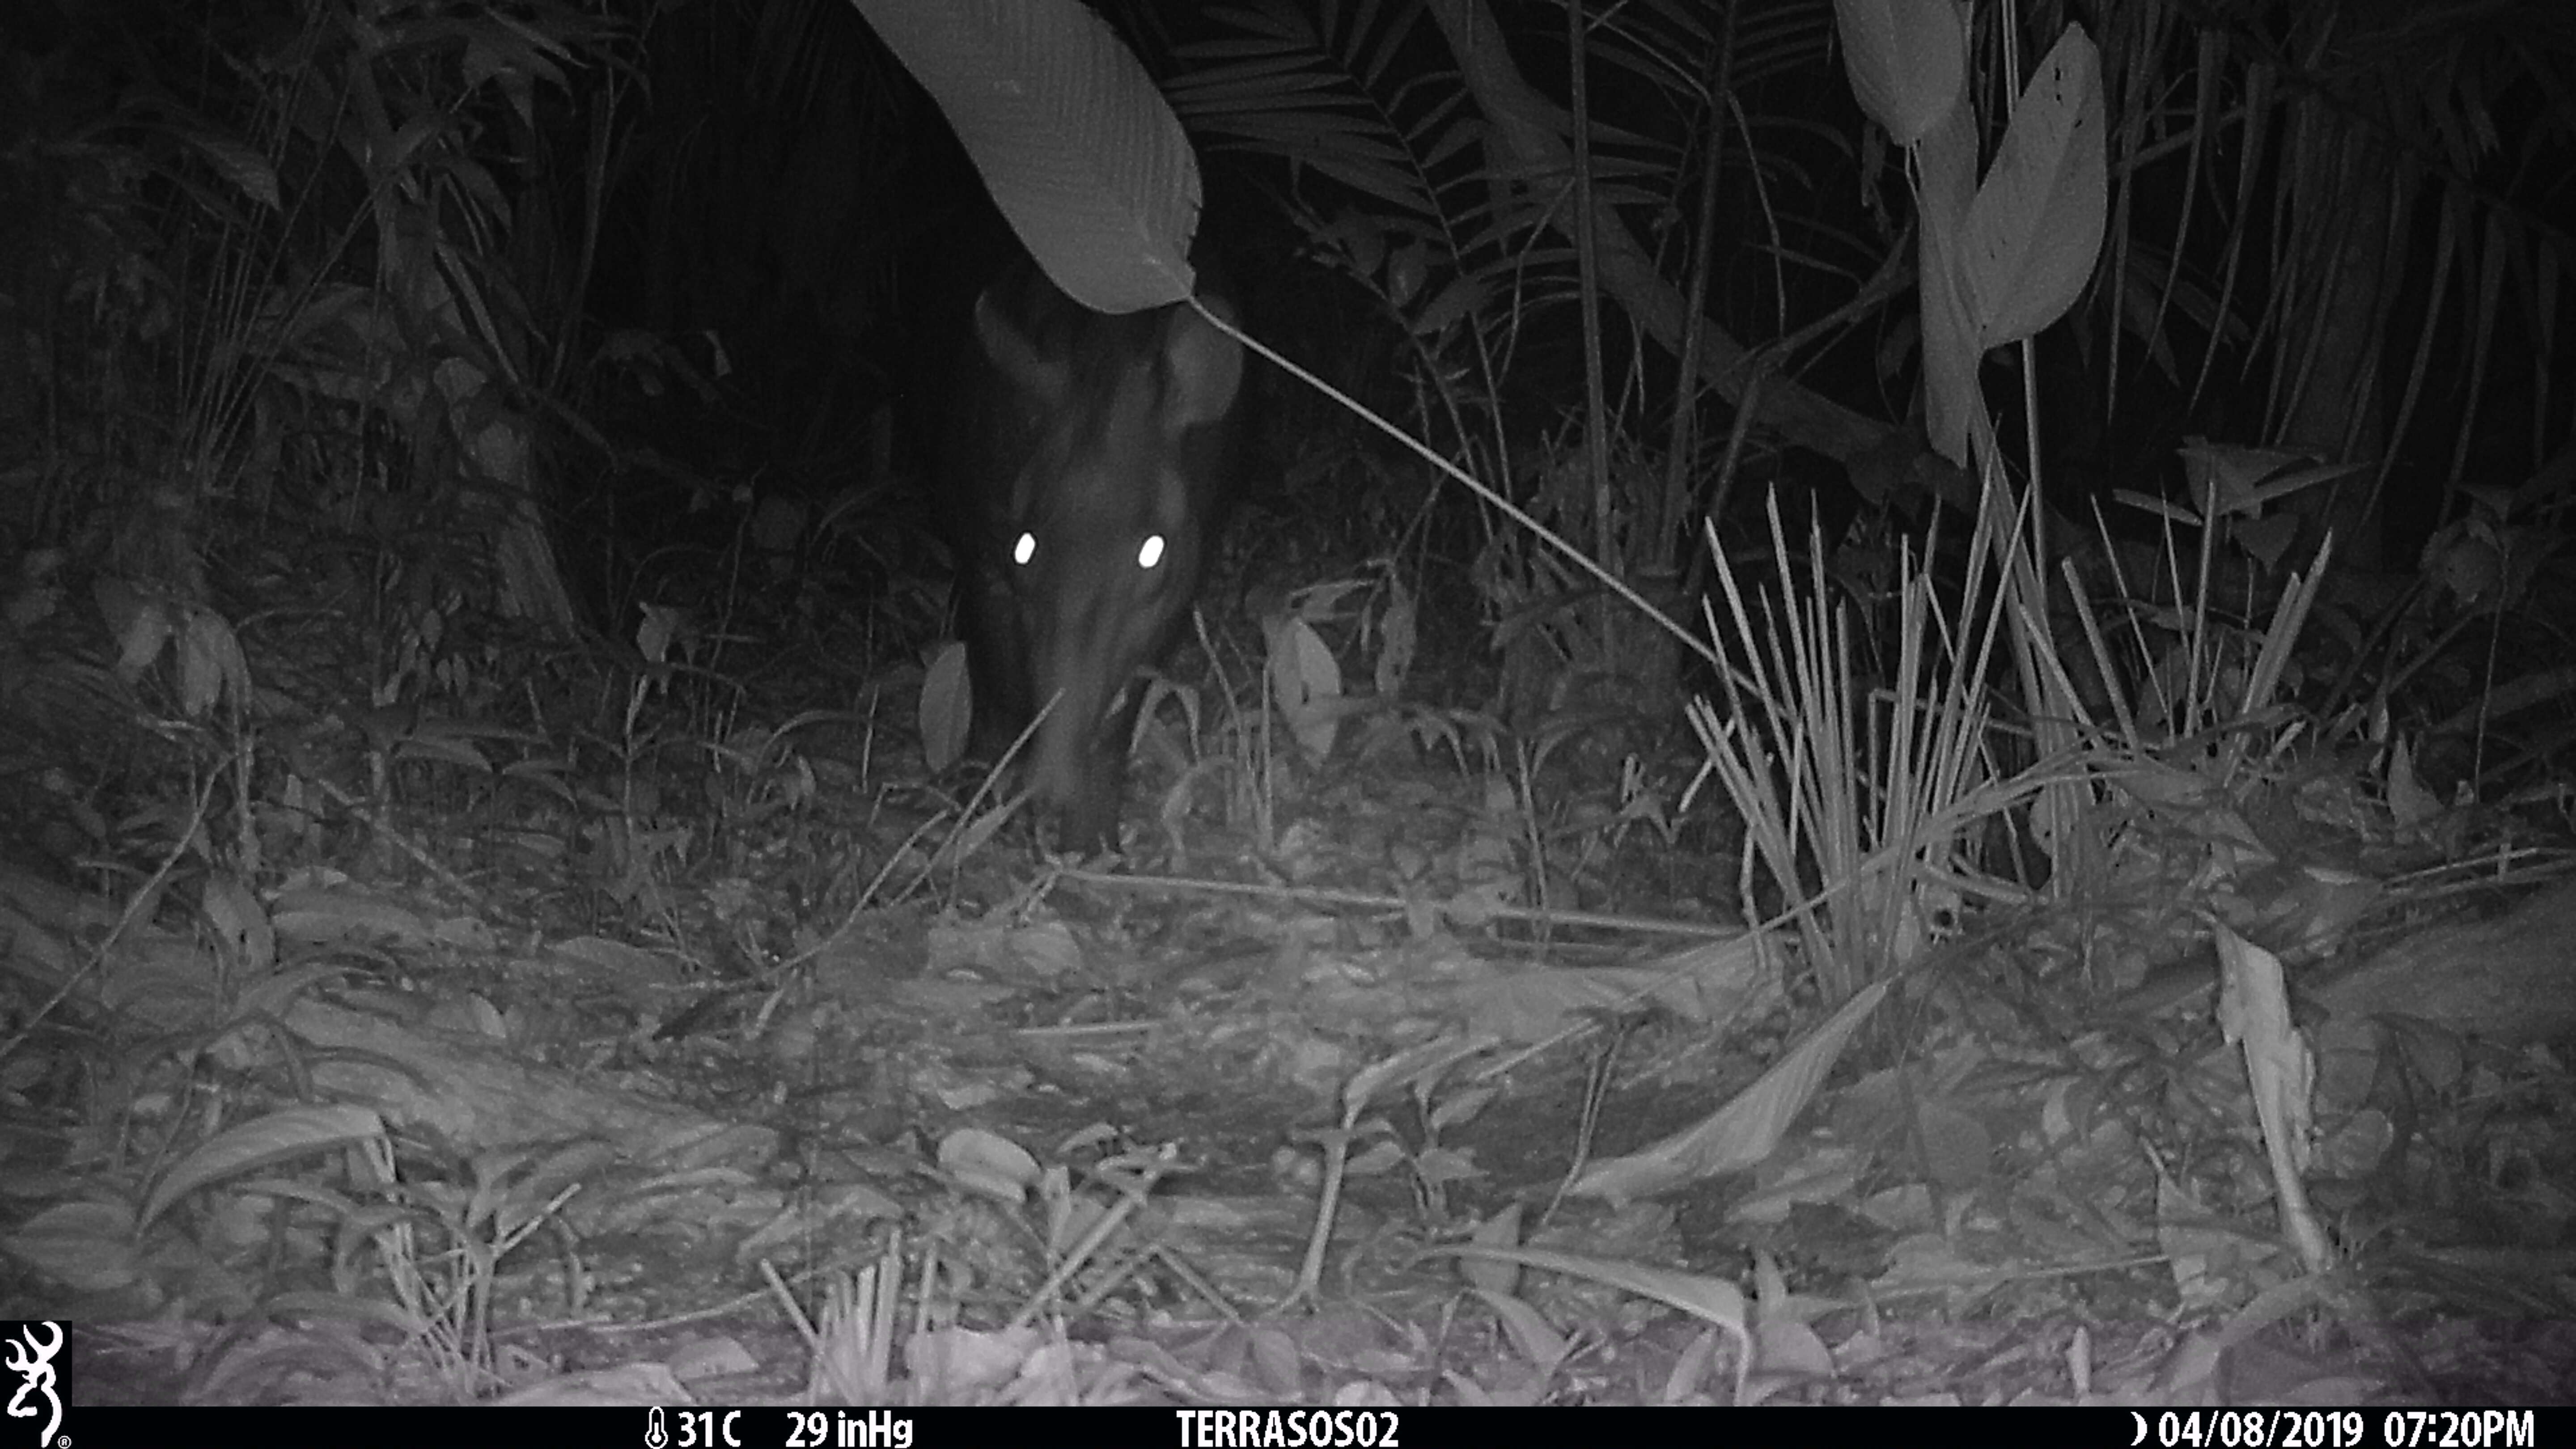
x=1109, y=518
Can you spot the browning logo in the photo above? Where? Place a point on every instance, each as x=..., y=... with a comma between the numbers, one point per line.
x=28, y=1350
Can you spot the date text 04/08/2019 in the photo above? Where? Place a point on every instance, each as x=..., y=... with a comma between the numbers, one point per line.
x=2334, y=1429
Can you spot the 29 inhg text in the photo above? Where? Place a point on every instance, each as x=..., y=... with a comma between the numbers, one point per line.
x=847, y=1429
x=2337, y=1429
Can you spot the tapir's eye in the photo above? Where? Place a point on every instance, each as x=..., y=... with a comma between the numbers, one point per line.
x=1150, y=552
x=1024, y=548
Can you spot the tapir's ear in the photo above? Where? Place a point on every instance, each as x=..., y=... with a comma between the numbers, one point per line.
x=1015, y=354
x=1202, y=366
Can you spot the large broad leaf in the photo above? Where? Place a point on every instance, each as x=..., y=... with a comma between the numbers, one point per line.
x=1074, y=142
x=1908, y=61
x=1946, y=162
x=2036, y=225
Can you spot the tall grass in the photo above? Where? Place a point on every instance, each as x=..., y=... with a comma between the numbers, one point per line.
x=1865, y=799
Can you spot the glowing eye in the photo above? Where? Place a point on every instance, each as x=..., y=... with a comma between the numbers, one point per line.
x=1024, y=548
x=1150, y=553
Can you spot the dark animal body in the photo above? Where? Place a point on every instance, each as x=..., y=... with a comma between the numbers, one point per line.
x=1084, y=472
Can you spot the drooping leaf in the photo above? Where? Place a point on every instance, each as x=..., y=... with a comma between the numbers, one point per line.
x=1077, y=147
